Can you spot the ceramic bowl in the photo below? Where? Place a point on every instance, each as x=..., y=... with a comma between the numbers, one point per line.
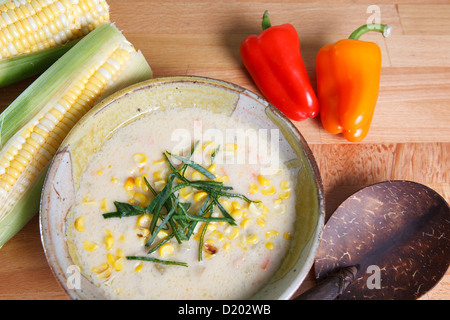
x=96, y=126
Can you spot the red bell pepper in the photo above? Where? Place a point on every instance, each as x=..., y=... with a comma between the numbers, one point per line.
x=274, y=61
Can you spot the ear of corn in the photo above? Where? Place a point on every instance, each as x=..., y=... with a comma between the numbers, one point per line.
x=30, y=29
x=34, y=125
x=27, y=65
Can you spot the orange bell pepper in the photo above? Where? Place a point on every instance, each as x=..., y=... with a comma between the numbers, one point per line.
x=348, y=80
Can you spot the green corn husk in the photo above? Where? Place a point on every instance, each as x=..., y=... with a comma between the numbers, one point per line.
x=21, y=202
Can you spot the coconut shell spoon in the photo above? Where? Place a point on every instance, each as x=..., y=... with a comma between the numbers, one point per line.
x=390, y=240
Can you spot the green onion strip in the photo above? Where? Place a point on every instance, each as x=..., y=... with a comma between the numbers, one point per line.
x=177, y=217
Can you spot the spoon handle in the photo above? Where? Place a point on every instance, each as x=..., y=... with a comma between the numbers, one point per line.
x=332, y=286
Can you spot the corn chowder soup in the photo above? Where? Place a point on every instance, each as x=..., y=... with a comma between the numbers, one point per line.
x=164, y=213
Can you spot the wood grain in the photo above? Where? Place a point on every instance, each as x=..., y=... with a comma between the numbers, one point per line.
x=409, y=138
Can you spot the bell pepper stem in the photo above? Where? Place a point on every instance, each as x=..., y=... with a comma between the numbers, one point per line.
x=383, y=28
x=266, y=21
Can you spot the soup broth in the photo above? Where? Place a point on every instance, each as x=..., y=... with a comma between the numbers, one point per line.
x=219, y=259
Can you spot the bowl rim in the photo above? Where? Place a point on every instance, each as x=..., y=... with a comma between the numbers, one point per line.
x=289, y=291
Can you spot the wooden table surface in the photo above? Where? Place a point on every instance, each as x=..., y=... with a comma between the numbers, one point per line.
x=410, y=133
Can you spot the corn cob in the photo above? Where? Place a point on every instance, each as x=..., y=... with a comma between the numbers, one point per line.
x=101, y=63
x=34, y=26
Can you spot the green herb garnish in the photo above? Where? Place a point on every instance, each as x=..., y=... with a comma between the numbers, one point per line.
x=183, y=264
x=177, y=217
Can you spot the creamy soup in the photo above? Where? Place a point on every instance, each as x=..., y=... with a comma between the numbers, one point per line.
x=230, y=256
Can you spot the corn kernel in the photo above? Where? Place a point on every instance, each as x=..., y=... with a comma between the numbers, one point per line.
x=87, y=201
x=166, y=249
x=111, y=258
x=218, y=235
x=129, y=184
x=236, y=214
x=119, y=252
x=263, y=180
x=162, y=234
x=118, y=264
x=143, y=220
x=140, y=159
x=122, y=238
x=285, y=186
x=270, y=246
x=79, y=224
x=140, y=182
x=199, y=196
x=208, y=144
x=99, y=172
x=242, y=244
x=225, y=179
x=141, y=199
x=287, y=236
x=158, y=162
x=160, y=184
x=252, y=239
x=280, y=209
x=245, y=223
x=131, y=196
x=105, y=274
x=139, y=267
x=269, y=191
x=226, y=205
x=103, y=204
x=100, y=268
x=271, y=234
x=236, y=205
x=232, y=232
x=197, y=175
x=142, y=232
x=115, y=180
x=253, y=188
x=212, y=168
x=186, y=193
x=109, y=242
x=261, y=221
x=253, y=208
x=285, y=195
x=90, y=246
x=231, y=147
x=226, y=246
x=197, y=236
x=158, y=175
x=211, y=227
x=207, y=254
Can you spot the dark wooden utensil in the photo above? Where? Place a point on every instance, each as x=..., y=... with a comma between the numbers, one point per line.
x=390, y=240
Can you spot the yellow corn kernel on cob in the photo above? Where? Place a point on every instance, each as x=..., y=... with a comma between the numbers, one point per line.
x=35, y=33
x=34, y=125
x=32, y=25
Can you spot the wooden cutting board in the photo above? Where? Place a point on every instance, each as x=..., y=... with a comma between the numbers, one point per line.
x=409, y=137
